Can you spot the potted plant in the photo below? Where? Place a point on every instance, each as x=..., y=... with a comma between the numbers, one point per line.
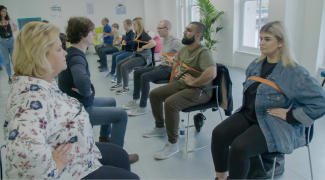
x=209, y=15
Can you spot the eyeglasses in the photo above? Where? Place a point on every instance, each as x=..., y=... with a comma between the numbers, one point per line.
x=161, y=28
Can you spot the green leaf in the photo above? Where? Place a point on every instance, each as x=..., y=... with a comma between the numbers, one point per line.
x=57, y=137
x=17, y=127
x=22, y=120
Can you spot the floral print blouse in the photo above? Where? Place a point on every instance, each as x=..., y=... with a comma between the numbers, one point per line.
x=39, y=118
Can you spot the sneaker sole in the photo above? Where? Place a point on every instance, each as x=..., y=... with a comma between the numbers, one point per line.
x=149, y=136
x=113, y=81
x=166, y=156
x=115, y=88
x=136, y=114
x=126, y=108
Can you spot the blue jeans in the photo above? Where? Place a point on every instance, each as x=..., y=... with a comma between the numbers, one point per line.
x=6, y=49
x=102, y=54
x=104, y=113
x=117, y=57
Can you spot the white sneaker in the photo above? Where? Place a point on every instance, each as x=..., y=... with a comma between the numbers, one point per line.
x=169, y=150
x=132, y=104
x=137, y=111
x=155, y=132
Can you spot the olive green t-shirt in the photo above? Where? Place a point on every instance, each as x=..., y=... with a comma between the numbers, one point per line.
x=116, y=36
x=199, y=58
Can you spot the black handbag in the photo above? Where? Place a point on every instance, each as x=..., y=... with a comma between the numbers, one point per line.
x=261, y=166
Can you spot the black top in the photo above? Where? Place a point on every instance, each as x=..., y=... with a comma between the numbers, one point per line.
x=250, y=97
x=77, y=75
x=250, y=93
x=129, y=36
x=143, y=37
x=3, y=32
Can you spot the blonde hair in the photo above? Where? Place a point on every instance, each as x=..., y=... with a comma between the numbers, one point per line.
x=31, y=47
x=279, y=30
x=140, y=23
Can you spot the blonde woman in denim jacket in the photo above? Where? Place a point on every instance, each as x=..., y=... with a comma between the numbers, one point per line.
x=269, y=120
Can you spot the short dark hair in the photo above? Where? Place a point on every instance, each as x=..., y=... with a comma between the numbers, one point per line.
x=63, y=39
x=128, y=22
x=116, y=25
x=78, y=27
x=106, y=19
x=7, y=16
x=200, y=28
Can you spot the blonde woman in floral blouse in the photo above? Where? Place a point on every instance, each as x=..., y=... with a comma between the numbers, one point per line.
x=48, y=134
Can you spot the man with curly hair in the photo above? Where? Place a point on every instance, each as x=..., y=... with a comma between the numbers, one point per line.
x=75, y=82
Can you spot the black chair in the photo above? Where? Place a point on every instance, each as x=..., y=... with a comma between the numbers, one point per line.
x=2, y=163
x=309, y=132
x=213, y=103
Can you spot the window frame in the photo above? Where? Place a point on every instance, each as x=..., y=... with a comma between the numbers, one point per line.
x=255, y=50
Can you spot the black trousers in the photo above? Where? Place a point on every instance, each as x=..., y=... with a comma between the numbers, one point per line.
x=246, y=140
x=142, y=79
x=115, y=161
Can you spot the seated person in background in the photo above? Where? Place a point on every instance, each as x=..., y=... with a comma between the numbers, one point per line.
x=75, y=81
x=142, y=77
x=142, y=56
x=126, y=48
x=197, y=70
x=108, y=36
x=46, y=130
x=272, y=118
x=45, y=21
x=110, y=50
x=63, y=38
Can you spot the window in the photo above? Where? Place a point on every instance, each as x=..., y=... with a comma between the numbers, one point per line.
x=187, y=12
x=254, y=17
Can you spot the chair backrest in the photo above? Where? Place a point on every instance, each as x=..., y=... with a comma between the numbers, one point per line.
x=3, y=152
x=217, y=82
x=153, y=63
x=98, y=30
x=311, y=133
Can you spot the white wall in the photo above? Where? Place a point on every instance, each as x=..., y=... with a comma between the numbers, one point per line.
x=104, y=8
x=158, y=10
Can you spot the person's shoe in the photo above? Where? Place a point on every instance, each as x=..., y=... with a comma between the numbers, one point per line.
x=116, y=86
x=109, y=75
x=104, y=69
x=9, y=81
x=101, y=139
x=122, y=91
x=155, y=132
x=98, y=60
x=0, y=68
x=137, y=111
x=114, y=80
x=99, y=67
x=133, y=158
x=132, y=104
x=169, y=150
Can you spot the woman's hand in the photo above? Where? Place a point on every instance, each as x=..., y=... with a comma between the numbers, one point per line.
x=76, y=90
x=188, y=79
x=278, y=112
x=60, y=156
x=140, y=49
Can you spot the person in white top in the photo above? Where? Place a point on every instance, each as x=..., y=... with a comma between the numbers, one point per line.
x=48, y=134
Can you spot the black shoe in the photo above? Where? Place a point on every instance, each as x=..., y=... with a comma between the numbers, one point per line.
x=103, y=69
x=98, y=60
x=99, y=67
x=9, y=82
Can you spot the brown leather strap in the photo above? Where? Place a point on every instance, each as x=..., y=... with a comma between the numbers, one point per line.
x=265, y=81
x=184, y=65
x=168, y=57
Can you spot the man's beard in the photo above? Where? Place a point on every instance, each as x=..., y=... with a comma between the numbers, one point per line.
x=186, y=41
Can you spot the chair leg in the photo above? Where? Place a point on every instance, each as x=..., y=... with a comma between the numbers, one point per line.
x=219, y=108
x=1, y=173
x=323, y=82
x=311, y=169
x=188, y=123
x=273, y=168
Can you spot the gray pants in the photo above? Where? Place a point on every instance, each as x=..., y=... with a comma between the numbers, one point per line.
x=103, y=45
x=175, y=99
x=125, y=66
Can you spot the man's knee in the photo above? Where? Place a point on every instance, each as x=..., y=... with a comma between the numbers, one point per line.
x=154, y=93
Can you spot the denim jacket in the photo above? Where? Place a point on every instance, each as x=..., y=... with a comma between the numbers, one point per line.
x=302, y=92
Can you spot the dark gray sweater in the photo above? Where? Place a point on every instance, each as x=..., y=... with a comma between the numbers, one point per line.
x=77, y=75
